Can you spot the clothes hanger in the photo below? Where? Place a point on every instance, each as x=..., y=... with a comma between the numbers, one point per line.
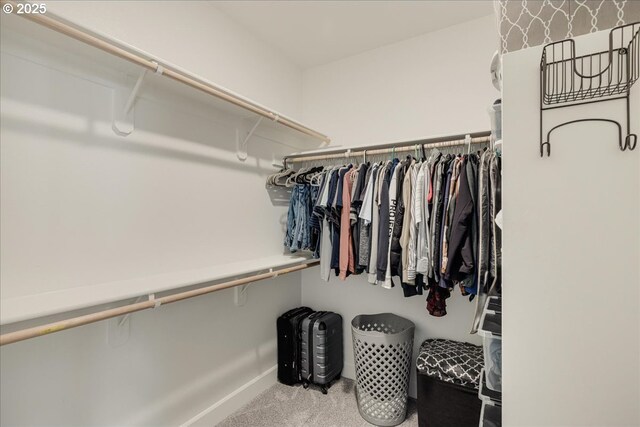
x=305, y=177
x=299, y=179
x=273, y=178
x=316, y=179
x=285, y=174
x=291, y=180
x=270, y=179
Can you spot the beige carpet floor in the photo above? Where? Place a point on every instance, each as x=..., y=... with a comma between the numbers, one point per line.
x=284, y=406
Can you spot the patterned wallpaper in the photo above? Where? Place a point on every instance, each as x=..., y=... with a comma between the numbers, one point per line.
x=528, y=23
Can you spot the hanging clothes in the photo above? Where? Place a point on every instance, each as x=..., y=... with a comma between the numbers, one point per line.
x=384, y=233
x=490, y=236
x=429, y=223
x=356, y=204
x=366, y=216
x=394, y=265
x=327, y=227
x=471, y=285
x=438, y=206
x=412, y=256
x=405, y=235
x=395, y=249
x=375, y=226
x=298, y=236
x=460, y=263
x=346, y=247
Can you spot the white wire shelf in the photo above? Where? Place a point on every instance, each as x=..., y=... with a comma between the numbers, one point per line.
x=95, y=50
x=66, y=300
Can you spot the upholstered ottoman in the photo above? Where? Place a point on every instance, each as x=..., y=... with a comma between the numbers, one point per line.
x=448, y=381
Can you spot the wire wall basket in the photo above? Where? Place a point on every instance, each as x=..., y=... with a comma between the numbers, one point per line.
x=567, y=80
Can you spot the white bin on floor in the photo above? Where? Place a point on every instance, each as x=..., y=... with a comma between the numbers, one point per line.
x=382, y=347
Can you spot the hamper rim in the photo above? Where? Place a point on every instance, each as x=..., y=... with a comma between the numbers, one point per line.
x=409, y=325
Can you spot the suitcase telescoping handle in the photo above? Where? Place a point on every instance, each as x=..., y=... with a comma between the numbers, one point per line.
x=312, y=321
x=298, y=341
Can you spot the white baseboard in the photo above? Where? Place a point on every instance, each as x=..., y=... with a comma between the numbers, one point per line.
x=234, y=400
x=244, y=394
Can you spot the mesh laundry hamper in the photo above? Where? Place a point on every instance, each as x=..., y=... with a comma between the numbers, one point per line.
x=382, y=346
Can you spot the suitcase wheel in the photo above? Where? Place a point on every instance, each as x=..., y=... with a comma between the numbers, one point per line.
x=305, y=384
x=324, y=390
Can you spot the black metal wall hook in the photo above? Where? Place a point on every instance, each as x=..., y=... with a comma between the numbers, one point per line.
x=623, y=145
x=567, y=80
x=627, y=142
x=542, y=145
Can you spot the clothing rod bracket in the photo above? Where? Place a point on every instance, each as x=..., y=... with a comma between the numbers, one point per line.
x=124, y=111
x=118, y=330
x=241, y=146
x=240, y=295
x=240, y=292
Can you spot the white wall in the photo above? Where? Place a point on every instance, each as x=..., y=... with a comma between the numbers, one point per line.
x=437, y=83
x=82, y=206
x=571, y=329
x=434, y=84
x=180, y=360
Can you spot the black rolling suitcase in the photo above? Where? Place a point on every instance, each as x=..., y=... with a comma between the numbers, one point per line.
x=321, y=355
x=288, y=326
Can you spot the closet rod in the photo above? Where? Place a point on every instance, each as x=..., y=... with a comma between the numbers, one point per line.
x=61, y=325
x=445, y=141
x=113, y=47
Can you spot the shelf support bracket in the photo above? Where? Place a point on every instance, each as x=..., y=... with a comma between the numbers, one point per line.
x=119, y=328
x=134, y=91
x=241, y=146
x=240, y=295
x=240, y=292
x=123, y=118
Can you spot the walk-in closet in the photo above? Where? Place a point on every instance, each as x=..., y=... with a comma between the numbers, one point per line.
x=320, y=213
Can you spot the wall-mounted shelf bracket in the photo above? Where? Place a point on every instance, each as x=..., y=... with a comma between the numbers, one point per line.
x=119, y=328
x=69, y=34
x=241, y=143
x=240, y=295
x=240, y=292
x=123, y=117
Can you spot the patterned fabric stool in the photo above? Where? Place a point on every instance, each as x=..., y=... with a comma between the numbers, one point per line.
x=448, y=381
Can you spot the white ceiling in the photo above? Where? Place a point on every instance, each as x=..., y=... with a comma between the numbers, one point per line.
x=311, y=33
